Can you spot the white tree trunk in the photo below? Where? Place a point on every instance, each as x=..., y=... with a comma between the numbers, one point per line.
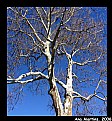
x=69, y=90
x=53, y=88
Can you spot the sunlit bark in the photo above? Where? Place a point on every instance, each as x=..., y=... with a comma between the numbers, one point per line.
x=68, y=38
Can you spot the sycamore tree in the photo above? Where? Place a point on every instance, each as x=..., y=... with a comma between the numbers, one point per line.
x=62, y=47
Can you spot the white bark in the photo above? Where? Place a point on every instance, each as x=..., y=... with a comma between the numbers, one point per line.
x=87, y=61
x=68, y=96
x=37, y=9
x=19, y=79
x=91, y=95
x=48, y=48
x=52, y=81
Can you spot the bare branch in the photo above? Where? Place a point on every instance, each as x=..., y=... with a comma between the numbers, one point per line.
x=61, y=83
x=55, y=19
x=99, y=84
x=38, y=38
x=56, y=16
x=87, y=61
x=67, y=54
x=44, y=11
x=104, y=99
x=81, y=30
x=37, y=9
x=74, y=75
x=49, y=23
x=92, y=95
x=75, y=52
x=25, y=13
x=12, y=10
x=71, y=30
x=88, y=98
x=72, y=13
x=82, y=48
x=82, y=97
x=30, y=25
x=58, y=31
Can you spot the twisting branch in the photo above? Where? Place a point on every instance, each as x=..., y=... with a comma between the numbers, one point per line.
x=74, y=52
x=82, y=97
x=92, y=95
x=82, y=48
x=65, y=52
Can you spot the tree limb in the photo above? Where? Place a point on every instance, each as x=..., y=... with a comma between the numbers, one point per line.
x=61, y=83
x=88, y=97
x=49, y=22
x=37, y=10
x=91, y=95
x=18, y=80
x=32, y=28
x=99, y=84
x=87, y=61
x=44, y=11
x=72, y=11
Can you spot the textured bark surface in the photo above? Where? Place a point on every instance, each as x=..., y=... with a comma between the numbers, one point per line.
x=56, y=101
x=68, y=106
x=68, y=97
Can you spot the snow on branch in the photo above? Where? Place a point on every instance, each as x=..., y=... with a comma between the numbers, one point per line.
x=19, y=79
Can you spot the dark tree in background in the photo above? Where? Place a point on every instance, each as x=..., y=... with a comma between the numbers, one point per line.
x=64, y=48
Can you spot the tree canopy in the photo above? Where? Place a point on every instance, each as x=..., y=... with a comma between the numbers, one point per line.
x=64, y=48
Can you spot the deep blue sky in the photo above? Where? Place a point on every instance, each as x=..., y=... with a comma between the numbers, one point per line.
x=34, y=105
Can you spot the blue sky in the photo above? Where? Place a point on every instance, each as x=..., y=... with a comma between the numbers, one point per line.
x=36, y=105
x=32, y=105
